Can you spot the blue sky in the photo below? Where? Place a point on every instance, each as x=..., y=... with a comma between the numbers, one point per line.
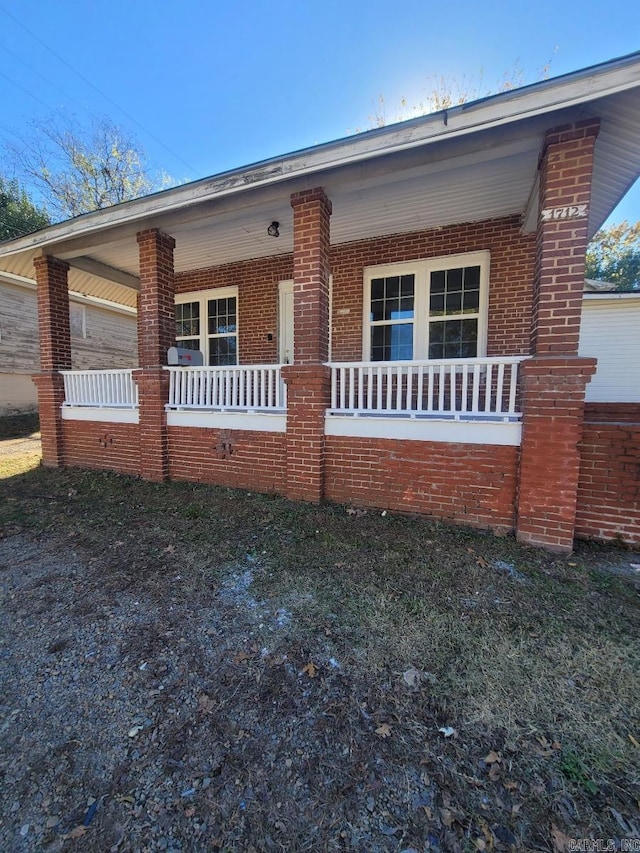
x=207, y=86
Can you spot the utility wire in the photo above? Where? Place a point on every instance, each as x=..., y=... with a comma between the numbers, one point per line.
x=95, y=89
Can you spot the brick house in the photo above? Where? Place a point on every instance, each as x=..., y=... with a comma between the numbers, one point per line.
x=389, y=320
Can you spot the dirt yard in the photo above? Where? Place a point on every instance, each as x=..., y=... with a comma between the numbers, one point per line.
x=186, y=668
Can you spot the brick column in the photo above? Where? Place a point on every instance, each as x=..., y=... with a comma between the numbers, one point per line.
x=553, y=411
x=156, y=333
x=55, y=353
x=308, y=379
x=553, y=382
x=566, y=166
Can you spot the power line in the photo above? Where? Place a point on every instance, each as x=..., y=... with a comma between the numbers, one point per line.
x=96, y=89
x=24, y=89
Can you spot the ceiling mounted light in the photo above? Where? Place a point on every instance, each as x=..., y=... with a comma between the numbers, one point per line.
x=273, y=229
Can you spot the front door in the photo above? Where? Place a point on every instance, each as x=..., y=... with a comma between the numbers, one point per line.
x=285, y=322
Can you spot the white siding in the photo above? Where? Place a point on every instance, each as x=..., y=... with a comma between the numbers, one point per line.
x=100, y=338
x=610, y=332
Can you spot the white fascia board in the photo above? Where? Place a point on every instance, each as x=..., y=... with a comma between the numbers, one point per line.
x=537, y=99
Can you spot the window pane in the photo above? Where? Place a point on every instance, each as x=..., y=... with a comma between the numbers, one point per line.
x=471, y=301
x=377, y=288
x=392, y=287
x=454, y=303
x=222, y=351
x=377, y=309
x=437, y=282
x=392, y=343
x=436, y=303
x=454, y=279
x=471, y=277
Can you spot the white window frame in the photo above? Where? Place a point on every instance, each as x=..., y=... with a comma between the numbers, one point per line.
x=422, y=269
x=203, y=297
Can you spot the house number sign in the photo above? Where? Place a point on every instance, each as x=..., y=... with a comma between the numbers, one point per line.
x=570, y=211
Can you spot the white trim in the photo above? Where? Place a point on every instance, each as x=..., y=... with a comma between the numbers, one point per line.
x=421, y=268
x=425, y=429
x=285, y=288
x=98, y=413
x=251, y=421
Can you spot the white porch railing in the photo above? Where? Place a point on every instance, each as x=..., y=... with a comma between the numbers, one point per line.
x=100, y=388
x=464, y=389
x=245, y=388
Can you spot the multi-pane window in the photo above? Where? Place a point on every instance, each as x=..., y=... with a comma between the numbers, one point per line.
x=435, y=309
x=208, y=322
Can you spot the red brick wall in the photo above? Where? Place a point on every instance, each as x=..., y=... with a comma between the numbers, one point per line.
x=106, y=446
x=510, y=288
x=612, y=412
x=469, y=483
x=609, y=482
x=241, y=459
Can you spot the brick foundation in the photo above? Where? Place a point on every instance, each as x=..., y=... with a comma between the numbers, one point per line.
x=103, y=446
x=468, y=483
x=240, y=459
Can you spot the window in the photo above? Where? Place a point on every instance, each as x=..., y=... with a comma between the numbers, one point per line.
x=431, y=309
x=208, y=321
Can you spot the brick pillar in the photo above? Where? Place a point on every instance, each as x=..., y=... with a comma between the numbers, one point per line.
x=566, y=166
x=308, y=379
x=55, y=353
x=553, y=382
x=156, y=333
x=553, y=411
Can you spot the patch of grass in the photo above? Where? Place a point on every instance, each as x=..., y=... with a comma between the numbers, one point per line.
x=574, y=768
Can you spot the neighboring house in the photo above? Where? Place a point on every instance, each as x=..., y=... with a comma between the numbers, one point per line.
x=610, y=332
x=101, y=333
x=390, y=320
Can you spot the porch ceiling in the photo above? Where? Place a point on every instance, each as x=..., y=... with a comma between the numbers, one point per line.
x=477, y=162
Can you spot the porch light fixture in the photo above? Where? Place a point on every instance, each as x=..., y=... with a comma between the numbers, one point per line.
x=273, y=229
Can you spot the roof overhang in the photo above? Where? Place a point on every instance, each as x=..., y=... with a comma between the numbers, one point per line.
x=472, y=162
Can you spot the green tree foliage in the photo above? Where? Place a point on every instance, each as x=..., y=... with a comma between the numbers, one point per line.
x=78, y=169
x=614, y=255
x=18, y=215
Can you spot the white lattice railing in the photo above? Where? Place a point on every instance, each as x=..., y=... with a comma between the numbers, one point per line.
x=101, y=388
x=464, y=389
x=254, y=387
